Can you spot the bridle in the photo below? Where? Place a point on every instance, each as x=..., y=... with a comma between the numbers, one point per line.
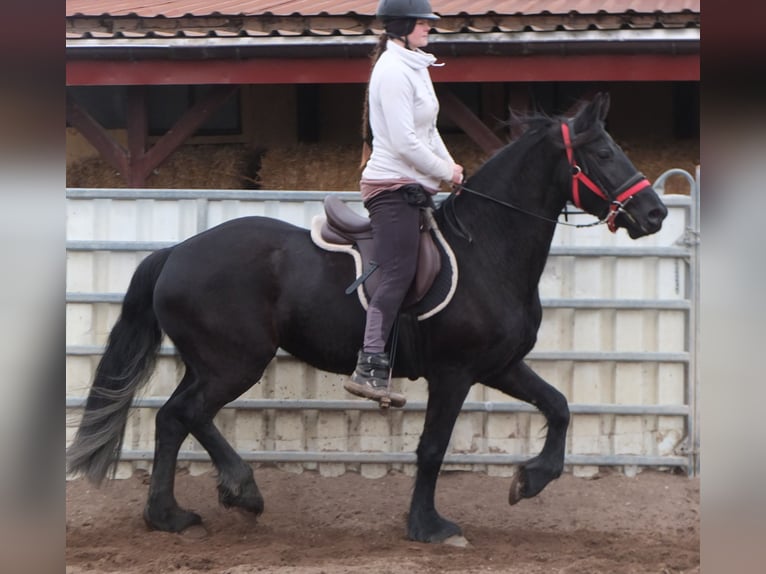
x=623, y=194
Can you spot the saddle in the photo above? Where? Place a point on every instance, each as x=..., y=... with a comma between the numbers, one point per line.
x=345, y=227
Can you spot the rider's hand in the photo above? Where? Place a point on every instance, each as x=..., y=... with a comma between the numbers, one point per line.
x=457, y=174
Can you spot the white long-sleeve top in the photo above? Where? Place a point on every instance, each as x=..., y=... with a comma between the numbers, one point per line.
x=403, y=109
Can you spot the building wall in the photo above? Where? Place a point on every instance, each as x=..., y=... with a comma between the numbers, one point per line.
x=639, y=112
x=271, y=114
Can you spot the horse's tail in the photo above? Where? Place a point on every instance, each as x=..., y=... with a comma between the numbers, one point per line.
x=126, y=365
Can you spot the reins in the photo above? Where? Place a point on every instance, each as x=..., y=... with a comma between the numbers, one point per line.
x=623, y=195
x=461, y=188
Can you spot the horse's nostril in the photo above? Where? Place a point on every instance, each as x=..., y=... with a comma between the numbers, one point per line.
x=657, y=215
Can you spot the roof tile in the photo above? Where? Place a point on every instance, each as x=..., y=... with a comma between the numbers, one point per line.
x=258, y=18
x=180, y=8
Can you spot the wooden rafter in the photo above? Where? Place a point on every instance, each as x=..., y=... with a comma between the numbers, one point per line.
x=136, y=163
x=467, y=121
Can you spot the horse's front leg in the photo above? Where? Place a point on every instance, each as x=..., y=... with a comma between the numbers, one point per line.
x=445, y=400
x=524, y=384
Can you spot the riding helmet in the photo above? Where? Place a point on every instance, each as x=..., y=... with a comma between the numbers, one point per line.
x=396, y=9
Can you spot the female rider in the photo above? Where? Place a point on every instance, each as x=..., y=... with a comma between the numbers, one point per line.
x=408, y=159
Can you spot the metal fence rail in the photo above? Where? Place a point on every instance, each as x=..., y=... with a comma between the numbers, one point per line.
x=208, y=207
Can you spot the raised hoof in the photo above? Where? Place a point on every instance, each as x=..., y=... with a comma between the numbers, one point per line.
x=248, y=498
x=514, y=495
x=530, y=481
x=174, y=520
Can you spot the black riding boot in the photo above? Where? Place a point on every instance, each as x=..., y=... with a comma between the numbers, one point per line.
x=370, y=380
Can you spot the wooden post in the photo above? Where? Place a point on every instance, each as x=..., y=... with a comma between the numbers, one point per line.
x=137, y=125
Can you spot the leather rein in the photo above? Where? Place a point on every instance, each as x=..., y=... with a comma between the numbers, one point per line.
x=623, y=195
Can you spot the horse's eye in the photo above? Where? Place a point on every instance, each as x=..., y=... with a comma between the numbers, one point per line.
x=604, y=153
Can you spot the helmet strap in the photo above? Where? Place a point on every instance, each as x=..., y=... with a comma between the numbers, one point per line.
x=400, y=28
x=404, y=39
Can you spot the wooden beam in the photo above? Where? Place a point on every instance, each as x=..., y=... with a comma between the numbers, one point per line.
x=136, y=163
x=189, y=123
x=465, y=119
x=109, y=149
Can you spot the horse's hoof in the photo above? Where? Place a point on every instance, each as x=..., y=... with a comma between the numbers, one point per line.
x=434, y=530
x=514, y=495
x=459, y=541
x=195, y=532
x=247, y=497
x=176, y=520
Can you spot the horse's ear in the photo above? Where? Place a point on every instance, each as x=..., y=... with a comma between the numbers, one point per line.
x=593, y=112
x=603, y=102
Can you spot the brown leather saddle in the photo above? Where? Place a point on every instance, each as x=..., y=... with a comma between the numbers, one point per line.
x=344, y=226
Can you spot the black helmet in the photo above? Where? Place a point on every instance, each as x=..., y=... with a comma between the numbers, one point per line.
x=394, y=9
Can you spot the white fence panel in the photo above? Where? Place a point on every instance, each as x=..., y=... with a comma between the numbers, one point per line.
x=617, y=339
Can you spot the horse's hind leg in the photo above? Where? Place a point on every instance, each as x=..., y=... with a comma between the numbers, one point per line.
x=162, y=511
x=523, y=383
x=445, y=399
x=236, y=484
x=191, y=410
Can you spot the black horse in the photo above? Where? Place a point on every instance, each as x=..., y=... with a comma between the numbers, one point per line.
x=229, y=297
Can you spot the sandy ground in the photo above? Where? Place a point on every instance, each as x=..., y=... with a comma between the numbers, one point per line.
x=313, y=524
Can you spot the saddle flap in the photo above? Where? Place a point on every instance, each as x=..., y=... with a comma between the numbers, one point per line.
x=429, y=264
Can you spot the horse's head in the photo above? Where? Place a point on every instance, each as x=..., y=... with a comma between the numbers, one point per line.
x=604, y=182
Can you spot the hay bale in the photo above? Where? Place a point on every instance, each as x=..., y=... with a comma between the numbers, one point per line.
x=655, y=157
x=466, y=152
x=92, y=173
x=190, y=167
x=334, y=167
x=308, y=167
x=327, y=167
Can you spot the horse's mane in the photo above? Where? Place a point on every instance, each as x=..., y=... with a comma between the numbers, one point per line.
x=532, y=127
x=512, y=156
x=512, y=160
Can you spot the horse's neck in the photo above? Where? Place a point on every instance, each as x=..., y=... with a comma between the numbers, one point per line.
x=516, y=244
x=522, y=250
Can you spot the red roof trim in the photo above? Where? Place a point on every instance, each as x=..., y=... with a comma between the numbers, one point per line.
x=542, y=68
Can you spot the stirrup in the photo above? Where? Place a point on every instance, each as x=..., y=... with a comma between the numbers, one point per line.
x=380, y=394
x=370, y=380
